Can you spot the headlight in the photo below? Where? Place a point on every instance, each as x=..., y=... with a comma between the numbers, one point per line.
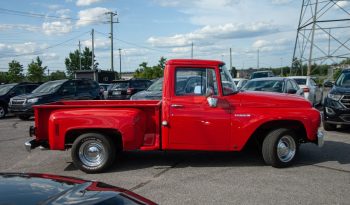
x=335, y=97
x=33, y=100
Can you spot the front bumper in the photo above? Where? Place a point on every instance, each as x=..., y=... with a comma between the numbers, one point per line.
x=21, y=109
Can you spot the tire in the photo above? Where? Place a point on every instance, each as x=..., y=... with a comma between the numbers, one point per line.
x=87, y=143
x=280, y=148
x=329, y=127
x=24, y=117
x=2, y=111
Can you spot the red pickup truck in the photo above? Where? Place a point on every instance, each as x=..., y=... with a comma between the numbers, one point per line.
x=200, y=109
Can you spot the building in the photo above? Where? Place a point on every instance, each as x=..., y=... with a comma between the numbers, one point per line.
x=101, y=76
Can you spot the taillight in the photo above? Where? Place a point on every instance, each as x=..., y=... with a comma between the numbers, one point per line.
x=306, y=90
x=129, y=91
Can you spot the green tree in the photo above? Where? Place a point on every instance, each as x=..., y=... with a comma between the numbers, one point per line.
x=15, y=72
x=72, y=62
x=58, y=75
x=144, y=71
x=36, y=72
x=3, y=77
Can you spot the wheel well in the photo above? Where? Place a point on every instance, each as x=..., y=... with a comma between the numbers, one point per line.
x=298, y=127
x=113, y=134
x=4, y=104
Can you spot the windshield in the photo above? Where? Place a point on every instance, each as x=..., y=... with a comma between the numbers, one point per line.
x=5, y=88
x=49, y=87
x=300, y=81
x=343, y=80
x=120, y=85
x=265, y=85
x=156, y=86
x=228, y=85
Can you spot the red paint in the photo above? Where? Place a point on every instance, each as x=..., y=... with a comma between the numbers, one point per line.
x=192, y=126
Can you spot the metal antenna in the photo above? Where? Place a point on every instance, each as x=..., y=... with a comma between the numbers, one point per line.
x=322, y=34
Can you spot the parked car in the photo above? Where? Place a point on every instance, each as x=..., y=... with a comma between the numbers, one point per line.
x=261, y=74
x=240, y=82
x=337, y=103
x=103, y=88
x=274, y=84
x=312, y=91
x=124, y=89
x=153, y=92
x=7, y=91
x=52, y=91
x=29, y=188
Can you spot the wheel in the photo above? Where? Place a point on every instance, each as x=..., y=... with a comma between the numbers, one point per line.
x=280, y=148
x=93, y=152
x=24, y=117
x=329, y=127
x=2, y=111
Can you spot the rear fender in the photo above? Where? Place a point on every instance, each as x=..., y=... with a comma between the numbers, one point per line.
x=130, y=123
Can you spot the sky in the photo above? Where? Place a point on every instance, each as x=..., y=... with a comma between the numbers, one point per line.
x=149, y=29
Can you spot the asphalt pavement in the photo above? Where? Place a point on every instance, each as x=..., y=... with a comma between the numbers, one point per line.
x=320, y=175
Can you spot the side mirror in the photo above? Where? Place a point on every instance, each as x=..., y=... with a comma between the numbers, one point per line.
x=212, y=101
x=328, y=84
x=291, y=91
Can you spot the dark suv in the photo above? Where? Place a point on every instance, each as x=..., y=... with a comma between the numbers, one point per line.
x=124, y=89
x=262, y=74
x=52, y=91
x=337, y=103
x=8, y=91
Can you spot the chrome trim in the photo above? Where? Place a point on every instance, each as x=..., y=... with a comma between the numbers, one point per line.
x=320, y=138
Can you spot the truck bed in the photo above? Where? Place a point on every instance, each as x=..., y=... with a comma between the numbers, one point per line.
x=151, y=108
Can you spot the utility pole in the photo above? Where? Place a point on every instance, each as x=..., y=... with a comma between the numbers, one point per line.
x=281, y=67
x=230, y=58
x=112, y=14
x=92, y=46
x=192, y=50
x=120, y=63
x=258, y=63
x=79, y=56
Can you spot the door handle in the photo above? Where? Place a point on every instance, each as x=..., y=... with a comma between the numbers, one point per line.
x=176, y=106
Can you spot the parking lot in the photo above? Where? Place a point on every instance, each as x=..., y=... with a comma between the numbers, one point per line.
x=320, y=176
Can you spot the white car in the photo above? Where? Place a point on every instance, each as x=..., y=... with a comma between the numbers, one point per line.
x=240, y=82
x=312, y=91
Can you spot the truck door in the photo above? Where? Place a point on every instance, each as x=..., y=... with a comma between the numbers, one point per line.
x=193, y=124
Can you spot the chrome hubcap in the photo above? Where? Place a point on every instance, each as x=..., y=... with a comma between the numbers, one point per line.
x=286, y=148
x=92, y=153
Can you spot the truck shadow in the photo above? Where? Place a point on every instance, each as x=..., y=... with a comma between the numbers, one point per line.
x=309, y=154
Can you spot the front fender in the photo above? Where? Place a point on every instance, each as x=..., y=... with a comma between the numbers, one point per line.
x=129, y=122
x=249, y=120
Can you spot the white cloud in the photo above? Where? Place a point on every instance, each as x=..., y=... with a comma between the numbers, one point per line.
x=49, y=56
x=86, y=2
x=90, y=16
x=281, y=1
x=209, y=34
x=57, y=27
x=26, y=27
x=267, y=45
x=342, y=4
x=99, y=43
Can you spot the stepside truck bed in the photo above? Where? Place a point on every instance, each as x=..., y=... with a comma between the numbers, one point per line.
x=137, y=121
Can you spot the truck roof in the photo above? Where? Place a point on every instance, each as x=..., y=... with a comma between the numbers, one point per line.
x=188, y=62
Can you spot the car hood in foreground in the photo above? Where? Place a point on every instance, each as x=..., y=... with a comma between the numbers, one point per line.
x=270, y=99
x=52, y=189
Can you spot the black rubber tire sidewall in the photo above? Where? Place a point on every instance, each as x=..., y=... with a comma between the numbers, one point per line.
x=108, y=146
x=329, y=127
x=269, y=147
x=24, y=117
x=4, y=108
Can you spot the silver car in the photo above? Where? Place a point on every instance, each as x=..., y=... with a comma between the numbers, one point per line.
x=312, y=91
x=240, y=82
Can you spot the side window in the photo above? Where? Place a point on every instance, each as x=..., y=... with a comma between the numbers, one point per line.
x=312, y=82
x=83, y=85
x=19, y=90
x=69, y=87
x=289, y=85
x=191, y=82
x=295, y=85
